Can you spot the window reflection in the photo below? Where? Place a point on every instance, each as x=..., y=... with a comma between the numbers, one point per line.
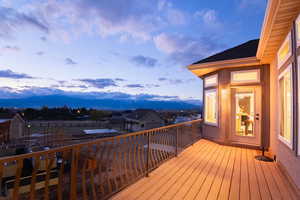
x=244, y=113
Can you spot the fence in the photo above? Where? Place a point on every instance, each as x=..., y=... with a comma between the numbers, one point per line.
x=96, y=169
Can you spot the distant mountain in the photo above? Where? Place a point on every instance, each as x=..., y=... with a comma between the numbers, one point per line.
x=111, y=104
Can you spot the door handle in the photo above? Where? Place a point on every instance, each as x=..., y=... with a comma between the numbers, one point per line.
x=257, y=116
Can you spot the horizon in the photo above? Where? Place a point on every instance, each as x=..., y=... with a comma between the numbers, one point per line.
x=106, y=50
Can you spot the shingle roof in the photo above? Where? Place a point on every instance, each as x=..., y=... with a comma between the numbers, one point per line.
x=245, y=50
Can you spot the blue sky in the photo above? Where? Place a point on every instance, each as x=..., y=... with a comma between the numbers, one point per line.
x=116, y=47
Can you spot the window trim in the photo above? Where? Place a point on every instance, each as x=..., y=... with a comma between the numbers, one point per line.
x=287, y=39
x=298, y=31
x=217, y=107
x=282, y=139
x=245, y=81
x=298, y=67
x=211, y=84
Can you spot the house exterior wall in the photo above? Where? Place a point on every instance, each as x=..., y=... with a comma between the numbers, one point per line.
x=222, y=132
x=286, y=157
x=17, y=128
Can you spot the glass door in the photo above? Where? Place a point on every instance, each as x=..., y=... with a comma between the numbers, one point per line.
x=246, y=115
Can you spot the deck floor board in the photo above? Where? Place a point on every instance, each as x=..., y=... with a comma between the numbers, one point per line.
x=211, y=171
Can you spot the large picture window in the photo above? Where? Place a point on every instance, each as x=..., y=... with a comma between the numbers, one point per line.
x=286, y=107
x=285, y=51
x=211, y=107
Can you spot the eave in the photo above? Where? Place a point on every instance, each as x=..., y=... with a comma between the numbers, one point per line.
x=205, y=68
x=278, y=21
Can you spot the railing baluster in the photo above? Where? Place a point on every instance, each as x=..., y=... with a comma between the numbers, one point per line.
x=108, y=162
x=154, y=150
x=129, y=159
x=33, y=177
x=148, y=153
x=143, y=143
x=100, y=165
x=17, y=179
x=75, y=155
x=48, y=171
x=160, y=142
x=140, y=169
x=61, y=176
x=151, y=151
x=125, y=156
x=114, y=165
x=83, y=180
x=177, y=141
x=120, y=162
x=134, y=158
x=1, y=173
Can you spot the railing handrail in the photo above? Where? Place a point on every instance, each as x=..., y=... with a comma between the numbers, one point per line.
x=70, y=147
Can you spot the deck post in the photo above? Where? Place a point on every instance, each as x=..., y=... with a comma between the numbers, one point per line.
x=176, y=141
x=73, y=192
x=148, y=155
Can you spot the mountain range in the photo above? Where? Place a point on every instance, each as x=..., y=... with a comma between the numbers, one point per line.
x=109, y=104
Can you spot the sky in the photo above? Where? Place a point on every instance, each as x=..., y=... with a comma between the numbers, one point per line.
x=117, y=48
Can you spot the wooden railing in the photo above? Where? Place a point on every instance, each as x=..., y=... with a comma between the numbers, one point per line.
x=96, y=169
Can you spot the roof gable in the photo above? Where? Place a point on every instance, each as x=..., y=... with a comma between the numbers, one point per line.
x=245, y=50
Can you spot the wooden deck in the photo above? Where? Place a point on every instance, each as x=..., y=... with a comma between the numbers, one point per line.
x=208, y=170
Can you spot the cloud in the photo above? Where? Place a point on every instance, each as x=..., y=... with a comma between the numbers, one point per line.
x=9, y=48
x=135, y=86
x=69, y=61
x=152, y=85
x=13, y=75
x=209, y=17
x=43, y=38
x=12, y=20
x=29, y=91
x=144, y=61
x=174, y=81
x=66, y=84
x=40, y=53
x=162, y=79
x=120, y=79
x=174, y=16
x=99, y=83
x=183, y=49
x=126, y=19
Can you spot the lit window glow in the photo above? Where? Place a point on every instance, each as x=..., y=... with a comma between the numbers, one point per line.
x=211, y=81
x=285, y=51
x=244, y=123
x=286, y=106
x=298, y=30
x=211, y=106
x=248, y=76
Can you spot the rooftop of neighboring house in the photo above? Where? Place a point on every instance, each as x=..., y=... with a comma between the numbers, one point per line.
x=140, y=114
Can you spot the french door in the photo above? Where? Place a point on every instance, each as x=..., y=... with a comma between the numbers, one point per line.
x=246, y=115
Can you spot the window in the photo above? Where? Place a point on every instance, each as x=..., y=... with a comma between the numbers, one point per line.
x=211, y=81
x=286, y=107
x=285, y=51
x=246, y=76
x=211, y=107
x=298, y=31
